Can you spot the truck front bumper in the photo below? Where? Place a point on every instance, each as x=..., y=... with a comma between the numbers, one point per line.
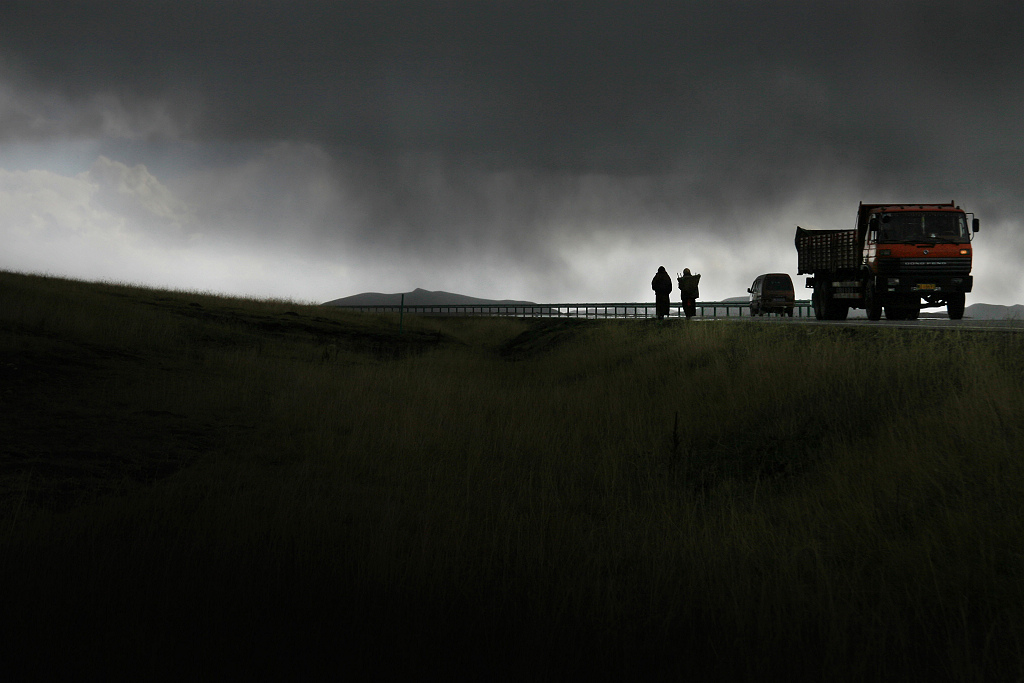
x=924, y=285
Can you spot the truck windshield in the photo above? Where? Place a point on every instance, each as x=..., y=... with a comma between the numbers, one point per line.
x=909, y=226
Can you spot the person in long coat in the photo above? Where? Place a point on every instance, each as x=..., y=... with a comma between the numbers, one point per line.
x=662, y=286
x=688, y=291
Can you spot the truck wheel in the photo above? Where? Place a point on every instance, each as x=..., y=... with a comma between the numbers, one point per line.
x=831, y=308
x=819, y=309
x=893, y=313
x=955, y=306
x=872, y=303
x=911, y=307
x=825, y=307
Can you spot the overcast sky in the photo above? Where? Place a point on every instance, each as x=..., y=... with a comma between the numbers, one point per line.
x=553, y=151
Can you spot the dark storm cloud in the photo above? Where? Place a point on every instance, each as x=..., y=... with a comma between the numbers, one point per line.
x=498, y=118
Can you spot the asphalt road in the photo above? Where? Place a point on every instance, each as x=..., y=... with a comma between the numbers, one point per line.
x=919, y=324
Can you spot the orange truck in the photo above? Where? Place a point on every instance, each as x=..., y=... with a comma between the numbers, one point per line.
x=899, y=258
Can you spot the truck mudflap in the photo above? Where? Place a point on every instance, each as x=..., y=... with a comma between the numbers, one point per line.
x=847, y=289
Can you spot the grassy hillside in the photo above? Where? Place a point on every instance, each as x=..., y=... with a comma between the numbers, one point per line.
x=199, y=484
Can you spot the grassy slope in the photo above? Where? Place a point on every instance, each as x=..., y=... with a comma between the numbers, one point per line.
x=189, y=481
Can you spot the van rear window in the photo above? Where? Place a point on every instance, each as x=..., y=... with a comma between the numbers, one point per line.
x=777, y=282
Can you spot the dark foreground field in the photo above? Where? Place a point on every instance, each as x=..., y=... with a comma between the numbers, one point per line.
x=198, y=486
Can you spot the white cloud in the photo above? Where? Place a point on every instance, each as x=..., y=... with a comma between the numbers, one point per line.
x=275, y=223
x=120, y=223
x=998, y=277
x=137, y=198
x=97, y=224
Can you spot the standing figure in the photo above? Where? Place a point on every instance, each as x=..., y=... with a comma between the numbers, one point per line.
x=689, y=292
x=662, y=286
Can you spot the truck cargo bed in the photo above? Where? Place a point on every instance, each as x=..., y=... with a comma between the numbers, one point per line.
x=831, y=250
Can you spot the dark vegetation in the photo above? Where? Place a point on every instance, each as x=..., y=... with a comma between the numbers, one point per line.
x=201, y=485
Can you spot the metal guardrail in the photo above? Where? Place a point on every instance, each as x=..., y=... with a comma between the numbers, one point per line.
x=705, y=309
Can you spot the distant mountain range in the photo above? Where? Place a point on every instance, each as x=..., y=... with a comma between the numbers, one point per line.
x=994, y=312
x=423, y=297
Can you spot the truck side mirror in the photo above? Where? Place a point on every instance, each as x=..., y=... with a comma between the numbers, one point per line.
x=975, y=224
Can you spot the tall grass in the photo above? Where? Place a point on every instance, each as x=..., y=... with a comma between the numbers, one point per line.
x=711, y=500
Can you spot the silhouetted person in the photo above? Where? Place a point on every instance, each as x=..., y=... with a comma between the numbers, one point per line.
x=689, y=292
x=662, y=286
